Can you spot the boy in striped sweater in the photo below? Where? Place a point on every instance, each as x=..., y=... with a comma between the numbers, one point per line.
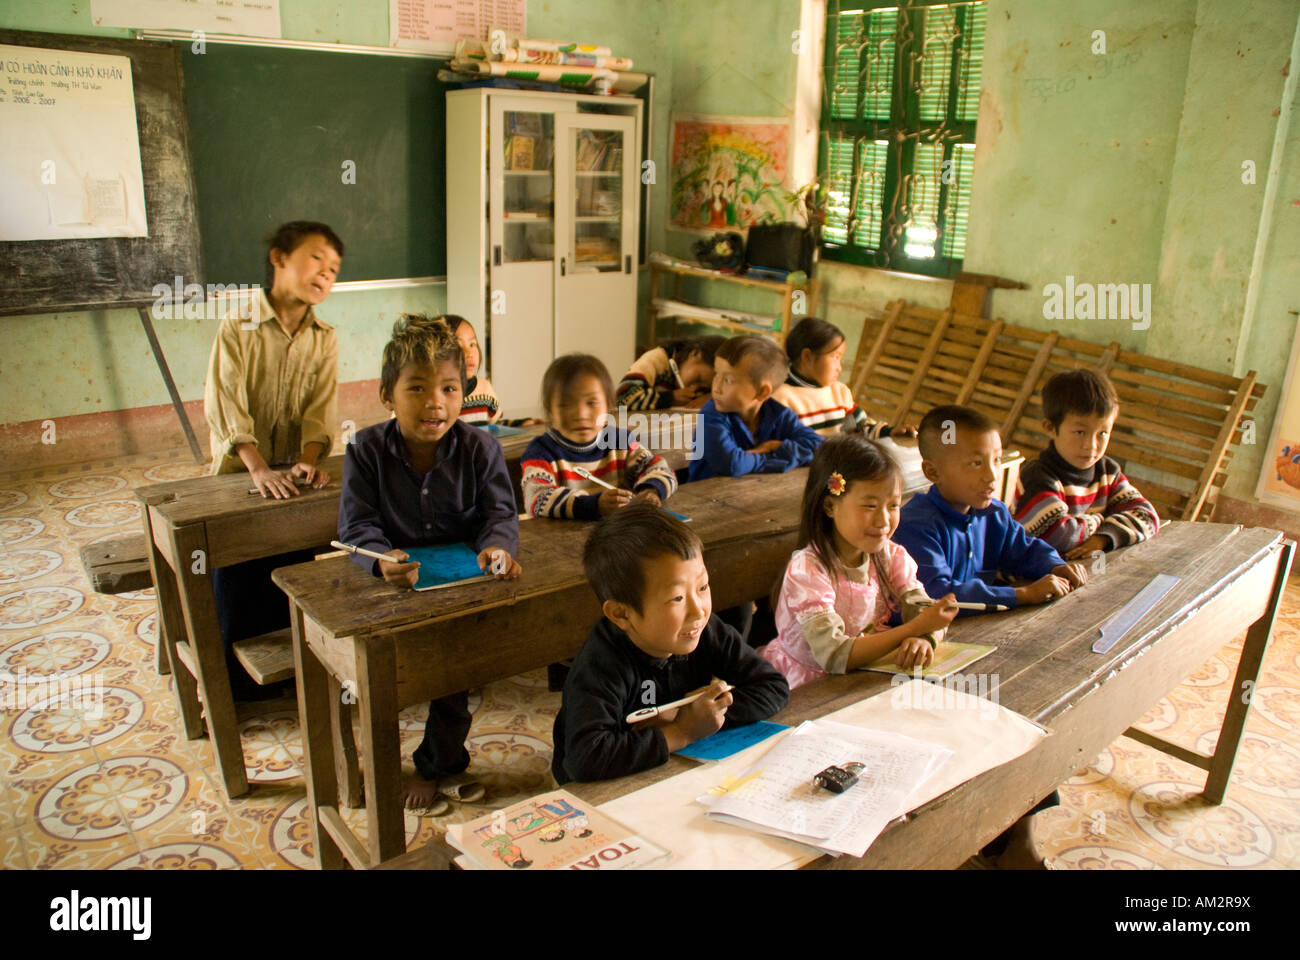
x=577, y=392
x=1074, y=496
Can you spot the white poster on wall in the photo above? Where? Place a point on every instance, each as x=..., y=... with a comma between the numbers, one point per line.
x=253, y=18
x=435, y=25
x=70, y=156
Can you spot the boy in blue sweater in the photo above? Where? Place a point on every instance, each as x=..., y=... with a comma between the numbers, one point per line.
x=742, y=429
x=960, y=537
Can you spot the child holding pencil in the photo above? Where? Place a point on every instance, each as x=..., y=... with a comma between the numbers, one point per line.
x=677, y=374
x=568, y=472
x=424, y=478
x=848, y=578
x=271, y=404
x=657, y=645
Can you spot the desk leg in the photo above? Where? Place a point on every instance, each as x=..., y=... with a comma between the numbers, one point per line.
x=382, y=747
x=168, y=610
x=315, y=688
x=345, y=746
x=210, y=657
x=1252, y=656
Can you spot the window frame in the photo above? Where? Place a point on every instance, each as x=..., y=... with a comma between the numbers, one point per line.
x=901, y=138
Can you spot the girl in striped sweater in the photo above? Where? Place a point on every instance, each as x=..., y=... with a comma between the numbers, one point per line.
x=577, y=393
x=813, y=389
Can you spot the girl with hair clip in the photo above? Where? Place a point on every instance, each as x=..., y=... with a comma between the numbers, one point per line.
x=847, y=577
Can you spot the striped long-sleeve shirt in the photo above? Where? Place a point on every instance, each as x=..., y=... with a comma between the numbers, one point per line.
x=828, y=409
x=648, y=383
x=552, y=487
x=1065, y=506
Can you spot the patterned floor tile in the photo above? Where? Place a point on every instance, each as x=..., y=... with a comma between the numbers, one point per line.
x=12, y=854
x=125, y=790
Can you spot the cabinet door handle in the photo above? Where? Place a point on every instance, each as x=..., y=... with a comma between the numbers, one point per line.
x=496, y=255
x=627, y=263
x=561, y=266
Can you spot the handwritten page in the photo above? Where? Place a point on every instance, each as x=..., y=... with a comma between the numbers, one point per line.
x=776, y=794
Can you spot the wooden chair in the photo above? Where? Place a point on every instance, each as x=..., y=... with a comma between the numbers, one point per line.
x=1176, y=423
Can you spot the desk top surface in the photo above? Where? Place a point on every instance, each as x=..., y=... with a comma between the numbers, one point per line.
x=346, y=601
x=1044, y=657
x=211, y=498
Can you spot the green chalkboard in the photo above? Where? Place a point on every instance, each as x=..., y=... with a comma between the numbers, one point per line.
x=270, y=133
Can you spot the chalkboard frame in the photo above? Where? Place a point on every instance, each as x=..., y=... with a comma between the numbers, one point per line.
x=50, y=276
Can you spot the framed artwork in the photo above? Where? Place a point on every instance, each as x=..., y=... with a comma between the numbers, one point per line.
x=728, y=173
x=1279, y=475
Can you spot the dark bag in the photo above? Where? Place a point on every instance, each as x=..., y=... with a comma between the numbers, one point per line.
x=781, y=246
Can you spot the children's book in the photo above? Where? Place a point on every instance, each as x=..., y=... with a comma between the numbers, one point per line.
x=552, y=831
x=500, y=430
x=724, y=743
x=950, y=658
x=445, y=565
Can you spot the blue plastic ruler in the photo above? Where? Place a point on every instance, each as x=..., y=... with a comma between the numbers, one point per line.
x=1133, y=611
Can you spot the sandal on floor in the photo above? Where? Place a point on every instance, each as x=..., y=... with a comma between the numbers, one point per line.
x=461, y=789
x=432, y=806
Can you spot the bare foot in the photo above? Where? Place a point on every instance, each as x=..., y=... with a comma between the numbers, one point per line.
x=1020, y=853
x=422, y=795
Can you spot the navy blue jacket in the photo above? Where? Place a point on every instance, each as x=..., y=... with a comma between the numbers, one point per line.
x=466, y=498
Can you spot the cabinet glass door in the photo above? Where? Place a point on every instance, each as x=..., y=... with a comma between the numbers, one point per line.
x=528, y=199
x=597, y=213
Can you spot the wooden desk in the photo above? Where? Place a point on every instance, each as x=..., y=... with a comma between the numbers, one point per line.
x=1232, y=580
x=194, y=526
x=401, y=648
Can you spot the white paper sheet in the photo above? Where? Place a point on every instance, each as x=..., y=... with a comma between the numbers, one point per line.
x=250, y=18
x=982, y=735
x=71, y=163
x=436, y=25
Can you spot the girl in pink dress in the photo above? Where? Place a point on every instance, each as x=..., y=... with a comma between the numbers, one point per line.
x=847, y=579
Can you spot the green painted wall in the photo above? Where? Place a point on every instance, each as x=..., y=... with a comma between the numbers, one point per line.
x=1117, y=168
x=56, y=365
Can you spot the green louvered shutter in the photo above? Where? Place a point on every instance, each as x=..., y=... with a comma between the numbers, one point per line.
x=898, y=130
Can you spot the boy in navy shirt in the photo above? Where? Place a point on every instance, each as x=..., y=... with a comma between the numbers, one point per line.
x=960, y=537
x=742, y=429
x=657, y=642
x=420, y=479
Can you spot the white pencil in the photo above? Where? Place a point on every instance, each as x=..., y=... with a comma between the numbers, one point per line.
x=649, y=713
x=500, y=559
x=963, y=605
x=340, y=545
x=587, y=475
x=672, y=365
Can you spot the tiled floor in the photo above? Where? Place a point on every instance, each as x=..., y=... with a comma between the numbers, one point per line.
x=124, y=789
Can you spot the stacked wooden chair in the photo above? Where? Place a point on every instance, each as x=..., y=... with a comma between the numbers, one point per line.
x=1177, y=423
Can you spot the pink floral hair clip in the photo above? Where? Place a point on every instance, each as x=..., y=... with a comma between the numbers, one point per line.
x=836, y=485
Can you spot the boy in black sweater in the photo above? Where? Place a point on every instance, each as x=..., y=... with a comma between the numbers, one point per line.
x=657, y=643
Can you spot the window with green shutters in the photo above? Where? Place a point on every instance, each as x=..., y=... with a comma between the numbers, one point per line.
x=902, y=87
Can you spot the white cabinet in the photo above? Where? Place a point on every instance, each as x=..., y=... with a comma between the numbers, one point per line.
x=542, y=211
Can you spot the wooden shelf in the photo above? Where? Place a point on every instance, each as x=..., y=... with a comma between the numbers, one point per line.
x=738, y=321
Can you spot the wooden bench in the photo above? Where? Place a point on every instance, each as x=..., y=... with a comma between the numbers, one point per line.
x=119, y=565
x=1176, y=422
